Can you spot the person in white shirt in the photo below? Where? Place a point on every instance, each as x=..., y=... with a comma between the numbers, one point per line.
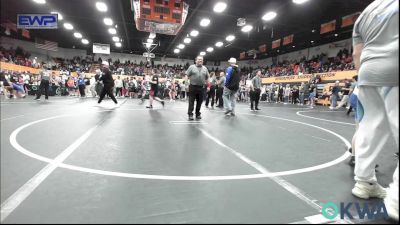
x=118, y=87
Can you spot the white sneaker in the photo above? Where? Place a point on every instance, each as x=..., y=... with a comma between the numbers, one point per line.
x=367, y=190
x=330, y=107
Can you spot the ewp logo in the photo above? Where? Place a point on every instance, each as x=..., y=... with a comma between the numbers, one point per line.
x=378, y=211
x=37, y=21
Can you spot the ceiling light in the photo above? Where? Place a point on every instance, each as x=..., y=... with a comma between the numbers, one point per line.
x=247, y=28
x=219, y=44
x=101, y=6
x=205, y=22
x=299, y=1
x=68, y=26
x=85, y=41
x=202, y=53
x=312, y=41
x=77, y=35
x=40, y=1
x=148, y=45
x=176, y=51
x=220, y=7
x=294, y=46
x=181, y=46
x=230, y=38
x=112, y=31
x=336, y=35
x=210, y=49
x=60, y=17
x=115, y=39
x=118, y=44
x=313, y=30
x=187, y=40
x=152, y=35
x=108, y=21
x=150, y=40
x=194, y=33
x=269, y=16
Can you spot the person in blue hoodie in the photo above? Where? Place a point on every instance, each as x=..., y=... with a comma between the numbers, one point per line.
x=231, y=87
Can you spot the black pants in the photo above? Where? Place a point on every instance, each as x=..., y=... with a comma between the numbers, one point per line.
x=118, y=90
x=255, y=97
x=44, y=84
x=107, y=90
x=220, y=91
x=82, y=90
x=211, y=94
x=196, y=93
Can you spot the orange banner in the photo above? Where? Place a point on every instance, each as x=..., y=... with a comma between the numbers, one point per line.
x=276, y=43
x=288, y=39
x=328, y=27
x=331, y=76
x=350, y=19
x=262, y=48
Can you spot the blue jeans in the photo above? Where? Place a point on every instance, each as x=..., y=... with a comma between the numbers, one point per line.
x=334, y=100
x=229, y=97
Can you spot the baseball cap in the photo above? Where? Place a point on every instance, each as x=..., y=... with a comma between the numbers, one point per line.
x=105, y=63
x=232, y=60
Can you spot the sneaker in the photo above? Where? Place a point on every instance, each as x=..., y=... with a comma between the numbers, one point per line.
x=233, y=114
x=191, y=117
x=258, y=109
x=367, y=190
x=198, y=117
x=149, y=107
x=163, y=104
x=37, y=99
x=227, y=112
x=330, y=107
x=251, y=109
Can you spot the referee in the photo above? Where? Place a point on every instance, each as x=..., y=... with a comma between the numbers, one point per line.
x=108, y=83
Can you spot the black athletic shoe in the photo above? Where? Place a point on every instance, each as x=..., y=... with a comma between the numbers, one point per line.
x=163, y=103
x=233, y=114
x=198, y=117
x=350, y=149
x=258, y=109
x=149, y=107
x=191, y=117
x=227, y=112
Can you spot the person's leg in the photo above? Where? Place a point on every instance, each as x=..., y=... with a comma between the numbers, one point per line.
x=191, y=102
x=110, y=93
x=102, y=95
x=212, y=90
x=233, y=102
x=391, y=97
x=257, y=98
x=370, y=140
x=40, y=89
x=344, y=100
x=199, y=99
x=252, y=100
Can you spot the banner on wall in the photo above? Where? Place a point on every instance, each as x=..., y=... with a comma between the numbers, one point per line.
x=288, y=39
x=331, y=76
x=262, y=48
x=276, y=43
x=101, y=48
x=328, y=27
x=350, y=19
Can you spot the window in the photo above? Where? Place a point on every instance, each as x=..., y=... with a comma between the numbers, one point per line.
x=177, y=16
x=161, y=10
x=147, y=1
x=159, y=2
x=146, y=11
x=166, y=2
x=177, y=4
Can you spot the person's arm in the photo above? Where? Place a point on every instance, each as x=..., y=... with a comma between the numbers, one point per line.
x=228, y=75
x=357, y=54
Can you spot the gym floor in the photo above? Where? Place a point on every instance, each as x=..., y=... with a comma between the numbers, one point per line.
x=70, y=160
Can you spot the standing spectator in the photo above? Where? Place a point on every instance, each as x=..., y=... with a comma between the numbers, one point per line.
x=82, y=85
x=220, y=89
x=335, y=95
x=376, y=56
x=198, y=75
x=118, y=87
x=211, y=90
x=345, y=94
x=287, y=93
x=255, y=91
x=231, y=87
